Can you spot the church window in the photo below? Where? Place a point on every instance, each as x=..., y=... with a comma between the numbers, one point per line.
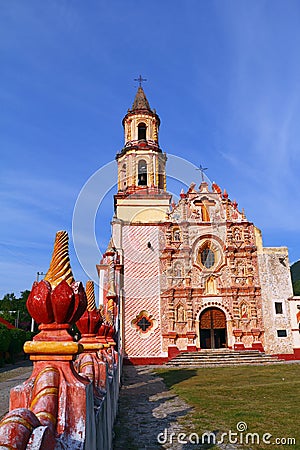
x=278, y=308
x=160, y=177
x=142, y=173
x=123, y=175
x=141, y=131
x=144, y=324
x=207, y=258
x=281, y=333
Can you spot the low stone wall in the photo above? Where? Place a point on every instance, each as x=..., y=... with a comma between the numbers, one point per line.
x=70, y=399
x=86, y=409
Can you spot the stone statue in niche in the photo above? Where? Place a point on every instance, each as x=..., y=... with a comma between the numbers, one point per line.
x=244, y=312
x=178, y=271
x=240, y=268
x=180, y=313
x=210, y=286
x=177, y=236
x=237, y=235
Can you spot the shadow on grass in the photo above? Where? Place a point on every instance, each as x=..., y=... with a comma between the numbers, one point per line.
x=175, y=376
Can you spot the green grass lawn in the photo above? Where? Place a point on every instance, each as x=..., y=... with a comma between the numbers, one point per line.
x=266, y=398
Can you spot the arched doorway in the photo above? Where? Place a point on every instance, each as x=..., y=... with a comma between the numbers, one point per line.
x=212, y=325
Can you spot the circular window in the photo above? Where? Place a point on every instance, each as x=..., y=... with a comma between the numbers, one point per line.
x=207, y=258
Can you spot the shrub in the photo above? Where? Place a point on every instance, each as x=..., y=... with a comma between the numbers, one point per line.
x=18, y=338
x=5, y=339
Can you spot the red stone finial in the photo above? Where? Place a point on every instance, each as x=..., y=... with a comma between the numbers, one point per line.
x=89, y=323
x=216, y=188
x=182, y=194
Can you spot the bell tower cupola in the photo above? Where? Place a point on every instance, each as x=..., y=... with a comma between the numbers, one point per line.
x=141, y=162
x=141, y=123
x=142, y=192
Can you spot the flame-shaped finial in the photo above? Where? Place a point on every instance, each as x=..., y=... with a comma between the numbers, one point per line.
x=90, y=295
x=101, y=312
x=60, y=267
x=109, y=318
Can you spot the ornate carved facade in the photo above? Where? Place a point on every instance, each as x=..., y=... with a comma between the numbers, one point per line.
x=195, y=273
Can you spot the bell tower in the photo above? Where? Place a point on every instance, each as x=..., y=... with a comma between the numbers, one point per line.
x=142, y=192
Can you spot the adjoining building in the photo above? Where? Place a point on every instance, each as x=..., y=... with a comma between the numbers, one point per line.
x=194, y=274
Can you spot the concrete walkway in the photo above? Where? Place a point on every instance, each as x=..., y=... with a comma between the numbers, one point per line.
x=10, y=376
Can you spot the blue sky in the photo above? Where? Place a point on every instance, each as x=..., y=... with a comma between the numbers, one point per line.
x=223, y=76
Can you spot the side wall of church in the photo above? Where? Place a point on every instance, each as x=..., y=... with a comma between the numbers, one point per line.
x=276, y=287
x=141, y=290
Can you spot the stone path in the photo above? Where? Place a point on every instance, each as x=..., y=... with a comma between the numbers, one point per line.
x=10, y=376
x=149, y=413
x=146, y=409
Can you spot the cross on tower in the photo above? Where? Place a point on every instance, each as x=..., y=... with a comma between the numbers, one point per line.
x=140, y=79
x=202, y=170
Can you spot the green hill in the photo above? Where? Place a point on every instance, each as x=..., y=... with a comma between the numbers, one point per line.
x=295, y=272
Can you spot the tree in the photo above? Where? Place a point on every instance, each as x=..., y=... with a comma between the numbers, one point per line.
x=5, y=339
x=14, y=310
x=296, y=287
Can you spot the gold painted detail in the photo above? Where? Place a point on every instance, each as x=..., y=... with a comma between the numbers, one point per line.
x=92, y=346
x=90, y=294
x=101, y=312
x=51, y=348
x=17, y=420
x=43, y=393
x=86, y=364
x=46, y=370
x=60, y=267
x=46, y=415
x=109, y=318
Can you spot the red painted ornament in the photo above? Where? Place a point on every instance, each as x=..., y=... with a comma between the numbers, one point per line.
x=39, y=302
x=63, y=300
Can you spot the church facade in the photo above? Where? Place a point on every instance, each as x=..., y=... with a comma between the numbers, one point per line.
x=191, y=275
